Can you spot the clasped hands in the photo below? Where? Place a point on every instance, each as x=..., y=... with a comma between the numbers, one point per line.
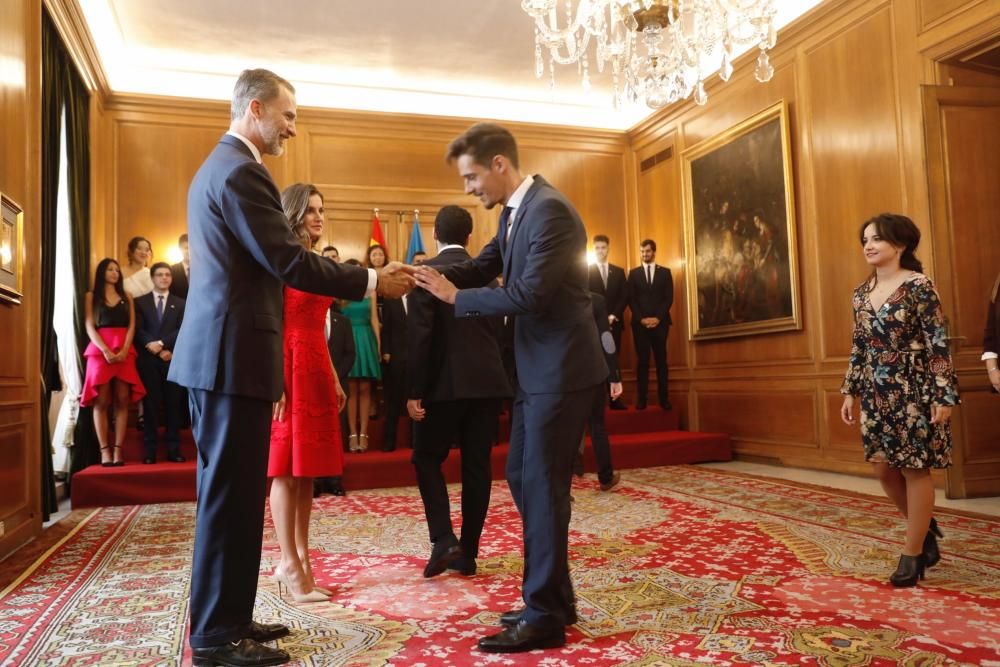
x=939, y=413
x=394, y=280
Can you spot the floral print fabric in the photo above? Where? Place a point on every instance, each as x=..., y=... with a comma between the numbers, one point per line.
x=900, y=366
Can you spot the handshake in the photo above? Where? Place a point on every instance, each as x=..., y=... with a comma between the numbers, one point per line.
x=396, y=279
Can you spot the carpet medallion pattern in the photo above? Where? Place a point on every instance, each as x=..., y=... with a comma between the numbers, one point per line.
x=679, y=566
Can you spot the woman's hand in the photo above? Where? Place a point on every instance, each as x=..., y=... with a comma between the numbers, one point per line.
x=109, y=356
x=940, y=414
x=616, y=390
x=341, y=397
x=847, y=410
x=278, y=414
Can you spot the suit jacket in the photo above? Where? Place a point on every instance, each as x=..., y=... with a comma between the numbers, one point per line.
x=341, y=344
x=149, y=327
x=616, y=294
x=179, y=281
x=394, y=326
x=544, y=289
x=607, y=340
x=645, y=300
x=244, y=251
x=452, y=358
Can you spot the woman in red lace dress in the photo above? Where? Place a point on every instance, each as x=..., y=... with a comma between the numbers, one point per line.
x=305, y=432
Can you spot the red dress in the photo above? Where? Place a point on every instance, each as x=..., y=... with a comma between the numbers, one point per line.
x=308, y=442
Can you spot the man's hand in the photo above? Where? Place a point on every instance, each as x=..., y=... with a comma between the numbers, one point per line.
x=278, y=414
x=155, y=347
x=416, y=409
x=616, y=390
x=436, y=284
x=394, y=280
x=166, y=355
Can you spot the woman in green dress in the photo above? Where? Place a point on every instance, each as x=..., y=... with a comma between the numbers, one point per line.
x=364, y=326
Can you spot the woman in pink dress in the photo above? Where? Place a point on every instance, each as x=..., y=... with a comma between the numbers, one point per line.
x=111, y=373
x=305, y=433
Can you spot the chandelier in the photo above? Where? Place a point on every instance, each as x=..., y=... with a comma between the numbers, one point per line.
x=658, y=51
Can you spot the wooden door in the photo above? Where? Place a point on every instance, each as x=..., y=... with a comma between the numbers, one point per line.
x=962, y=127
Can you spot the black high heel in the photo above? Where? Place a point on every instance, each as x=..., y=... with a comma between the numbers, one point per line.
x=932, y=555
x=107, y=464
x=909, y=571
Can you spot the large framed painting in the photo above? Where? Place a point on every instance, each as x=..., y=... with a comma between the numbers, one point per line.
x=739, y=230
x=11, y=252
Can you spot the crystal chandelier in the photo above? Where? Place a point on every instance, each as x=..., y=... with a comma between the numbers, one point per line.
x=659, y=51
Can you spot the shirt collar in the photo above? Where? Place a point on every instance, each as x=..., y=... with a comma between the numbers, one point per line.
x=249, y=144
x=157, y=292
x=450, y=246
x=518, y=196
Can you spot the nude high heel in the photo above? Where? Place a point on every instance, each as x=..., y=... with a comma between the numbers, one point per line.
x=302, y=598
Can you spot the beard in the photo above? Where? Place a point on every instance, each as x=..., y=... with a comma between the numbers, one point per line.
x=272, y=140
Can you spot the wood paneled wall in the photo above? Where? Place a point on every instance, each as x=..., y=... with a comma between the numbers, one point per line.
x=851, y=73
x=20, y=179
x=151, y=147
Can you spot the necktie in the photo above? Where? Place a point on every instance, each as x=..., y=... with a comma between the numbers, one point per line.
x=604, y=275
x=159, y=307
x=505, y=220
x=649, y=273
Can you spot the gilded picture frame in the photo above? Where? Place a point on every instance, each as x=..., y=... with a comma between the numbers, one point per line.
x=739, y=230
x=11, y=251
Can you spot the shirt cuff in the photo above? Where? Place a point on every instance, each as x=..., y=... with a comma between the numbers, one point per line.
x=989, y=355
x=372, y=282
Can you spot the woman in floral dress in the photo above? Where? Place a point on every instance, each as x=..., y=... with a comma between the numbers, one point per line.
x=900, y=369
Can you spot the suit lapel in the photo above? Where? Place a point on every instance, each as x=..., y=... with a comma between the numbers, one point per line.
x=519, y=214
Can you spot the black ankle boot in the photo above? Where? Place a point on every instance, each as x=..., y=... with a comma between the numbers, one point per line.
x=932, y=555
x=909, y=571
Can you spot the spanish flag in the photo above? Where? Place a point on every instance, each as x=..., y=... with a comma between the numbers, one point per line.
x=377, y=238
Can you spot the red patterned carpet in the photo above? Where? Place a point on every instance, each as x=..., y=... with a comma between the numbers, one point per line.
x=679, y=566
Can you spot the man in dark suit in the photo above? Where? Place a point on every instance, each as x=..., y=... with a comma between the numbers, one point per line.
x=394, y=325
x=539, y=248
x=608, y=280
x=160, y=315
x=456, y=382
x=229, y=356
x=650, y=296
x=607, y=476
x=181, y=271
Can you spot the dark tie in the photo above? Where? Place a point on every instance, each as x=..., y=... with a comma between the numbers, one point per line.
x=159, y=307
x=505, y=222
x=649, y=273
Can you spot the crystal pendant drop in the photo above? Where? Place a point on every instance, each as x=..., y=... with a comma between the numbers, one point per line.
x=726, y=70
x=700, y=95
x=764, y=70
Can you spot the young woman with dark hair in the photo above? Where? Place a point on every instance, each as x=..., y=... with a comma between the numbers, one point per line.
x=900, y=368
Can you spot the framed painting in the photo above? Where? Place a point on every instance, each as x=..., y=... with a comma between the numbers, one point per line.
x=739, y=230
x=11, y=252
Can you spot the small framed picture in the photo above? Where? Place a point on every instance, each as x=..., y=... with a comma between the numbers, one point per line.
x=11, y=250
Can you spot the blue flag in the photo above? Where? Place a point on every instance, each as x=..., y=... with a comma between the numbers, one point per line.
x=416, y=242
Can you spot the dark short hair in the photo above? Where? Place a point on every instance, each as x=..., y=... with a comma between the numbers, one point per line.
x=648, y=242
x=484, y=141
x=901, y=232
x=255, y=84
x=329, y=248
x=182, y=239
x=601, y=238
x=452, y=225
x=159, y=265
x=352, y=262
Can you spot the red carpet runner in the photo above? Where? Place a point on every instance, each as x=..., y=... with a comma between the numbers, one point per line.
x=680, y=566
x=639, y=440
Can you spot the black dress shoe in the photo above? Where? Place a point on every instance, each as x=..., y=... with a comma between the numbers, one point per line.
x=267, y=632
x=512, y=617
x=149, y=460
x=641, y=405
x=523, y=637
x=176, y=458
x=666, y=406
x=618, y=405
x=244, y=653
x=463, y=565
x=444, y=552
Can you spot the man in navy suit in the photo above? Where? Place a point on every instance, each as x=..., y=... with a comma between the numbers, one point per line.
x=608, y=280
x=229, y=356
x=456, y=381
x=540, y=249
x=160, y=315
x=650, y=296
x=181, y=270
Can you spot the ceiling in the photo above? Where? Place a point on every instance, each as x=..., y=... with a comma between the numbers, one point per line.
x=471, y=58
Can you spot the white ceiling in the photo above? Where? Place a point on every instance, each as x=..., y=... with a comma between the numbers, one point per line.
x=472, y=58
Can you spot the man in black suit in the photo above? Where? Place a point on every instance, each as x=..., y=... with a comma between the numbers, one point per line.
x=160, y=315
x=394, y=326
x=650, y=296
x=229, y=356
x=181, y=271
x=608, y=280
x=606, y=473
x=456, y=383
x=539, y=248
